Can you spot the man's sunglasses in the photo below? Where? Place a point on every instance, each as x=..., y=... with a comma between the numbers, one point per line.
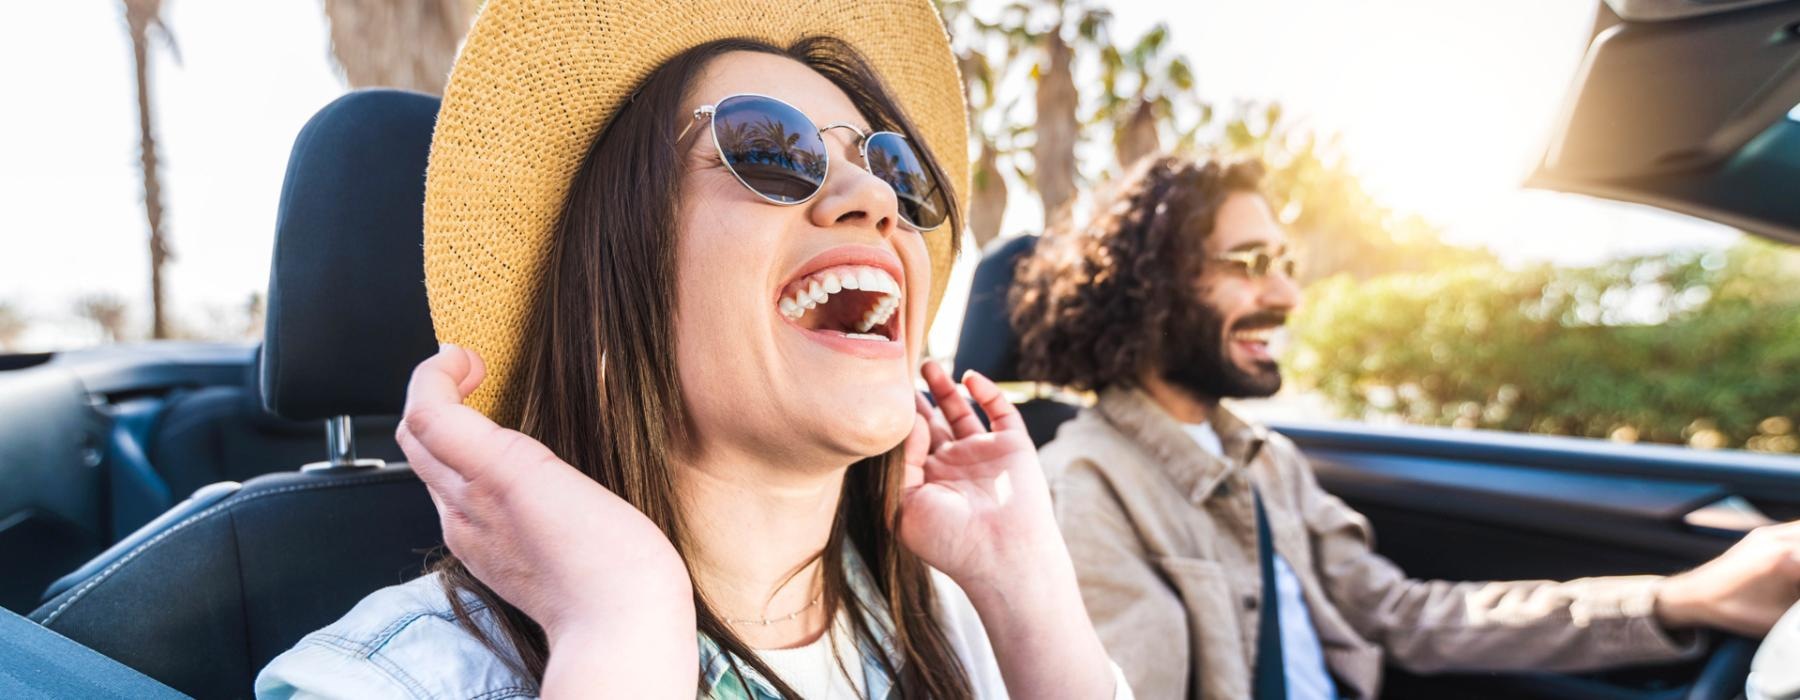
x=1258, y=263
x=778, y=153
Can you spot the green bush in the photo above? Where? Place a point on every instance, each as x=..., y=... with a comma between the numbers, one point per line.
x=1698, y=348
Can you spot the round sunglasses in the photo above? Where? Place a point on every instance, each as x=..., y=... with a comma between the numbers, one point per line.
x=1259, y=263
x=775, y=151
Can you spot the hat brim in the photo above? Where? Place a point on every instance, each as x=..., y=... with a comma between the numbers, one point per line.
x=537, y=80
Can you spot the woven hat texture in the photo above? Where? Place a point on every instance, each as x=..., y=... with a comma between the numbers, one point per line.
x=537, y=80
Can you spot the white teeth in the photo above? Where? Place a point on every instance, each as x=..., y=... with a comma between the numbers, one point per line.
x=865, y=336
x=880, y=314
x=1260, y=335
x=816, y=291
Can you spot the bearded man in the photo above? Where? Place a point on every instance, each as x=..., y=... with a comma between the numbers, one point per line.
x=1210, y=559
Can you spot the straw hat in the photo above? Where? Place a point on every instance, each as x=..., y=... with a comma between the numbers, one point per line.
x=538, y=79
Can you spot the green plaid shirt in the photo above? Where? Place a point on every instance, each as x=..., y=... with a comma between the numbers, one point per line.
x=722, y=679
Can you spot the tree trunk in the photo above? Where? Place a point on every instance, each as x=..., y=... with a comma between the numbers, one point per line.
x=139, y=15
x=1056, y=128
x=1137, y=135
x=987, y=206
x=407, y=44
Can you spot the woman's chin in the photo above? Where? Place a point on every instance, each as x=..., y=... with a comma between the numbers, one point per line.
x=865, y=430
x=874, y=438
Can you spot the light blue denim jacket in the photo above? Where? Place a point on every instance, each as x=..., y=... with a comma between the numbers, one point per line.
x=399, y=642
x=404, y=642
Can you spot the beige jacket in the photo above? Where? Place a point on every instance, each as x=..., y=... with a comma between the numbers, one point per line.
x=1164, y=540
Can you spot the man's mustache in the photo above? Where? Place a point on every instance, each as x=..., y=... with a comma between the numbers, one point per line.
x=1260, y=319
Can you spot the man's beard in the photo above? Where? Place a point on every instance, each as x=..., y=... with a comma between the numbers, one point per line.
x=1196, y=355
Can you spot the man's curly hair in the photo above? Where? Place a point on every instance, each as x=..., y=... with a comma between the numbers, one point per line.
x=1092, y=303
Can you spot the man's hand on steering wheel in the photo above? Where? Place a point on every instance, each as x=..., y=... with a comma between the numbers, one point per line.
x=1744, y=591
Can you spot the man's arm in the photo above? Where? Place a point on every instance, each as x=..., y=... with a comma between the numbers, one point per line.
x=1489, y=626
x=1139, y=619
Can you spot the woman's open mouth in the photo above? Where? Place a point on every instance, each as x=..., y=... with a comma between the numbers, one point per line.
x=856, y=302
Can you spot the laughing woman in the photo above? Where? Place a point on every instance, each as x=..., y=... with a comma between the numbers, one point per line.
x=689, y=251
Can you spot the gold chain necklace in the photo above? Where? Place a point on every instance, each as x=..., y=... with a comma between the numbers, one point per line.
x=766, y=621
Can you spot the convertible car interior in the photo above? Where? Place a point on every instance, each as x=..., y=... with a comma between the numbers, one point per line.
x=174, y=515
x=204, y=595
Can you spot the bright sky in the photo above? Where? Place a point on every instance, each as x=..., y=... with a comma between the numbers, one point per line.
x=250, y=75
x=1441, y=105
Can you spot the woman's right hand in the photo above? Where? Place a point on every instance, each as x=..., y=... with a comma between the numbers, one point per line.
x=600, y=578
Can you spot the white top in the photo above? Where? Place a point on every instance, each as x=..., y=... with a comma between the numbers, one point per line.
x=1301, y=651
x=404, y=642
x=817, y=671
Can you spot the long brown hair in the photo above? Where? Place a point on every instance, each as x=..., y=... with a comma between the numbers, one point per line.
x=620, y=420
x=1091, y=304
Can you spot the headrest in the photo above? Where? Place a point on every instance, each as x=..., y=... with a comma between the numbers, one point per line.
x=988, y=344
x=347, y=318
x=252, y=406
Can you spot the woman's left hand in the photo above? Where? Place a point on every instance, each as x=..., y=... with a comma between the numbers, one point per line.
x=976, y=503
x=977, y=508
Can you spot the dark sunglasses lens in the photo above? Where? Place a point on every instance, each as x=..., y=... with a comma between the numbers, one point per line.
x=772, y=147
x=922, y=200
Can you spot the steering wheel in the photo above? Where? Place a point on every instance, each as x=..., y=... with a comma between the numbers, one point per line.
x=1777, y=676
x=1726, y=670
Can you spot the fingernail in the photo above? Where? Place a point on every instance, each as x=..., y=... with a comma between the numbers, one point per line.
x=446, y=347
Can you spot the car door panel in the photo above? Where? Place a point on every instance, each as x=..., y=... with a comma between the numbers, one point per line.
x=1472, y=505
x=52, y=495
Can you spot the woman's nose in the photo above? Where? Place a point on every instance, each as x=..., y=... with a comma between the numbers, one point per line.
x=853, y=196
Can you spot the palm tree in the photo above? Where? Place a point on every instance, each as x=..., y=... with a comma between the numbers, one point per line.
x=1057, y=126
x=987, y=198
x=987, y=205
x=1052, y=169
x=142, y=16
x=1157, y=83
x=407, y=44
x=771, y=136
x=1076, y=25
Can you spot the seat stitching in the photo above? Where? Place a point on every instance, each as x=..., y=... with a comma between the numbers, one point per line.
x=243, y=599
x=209, y=512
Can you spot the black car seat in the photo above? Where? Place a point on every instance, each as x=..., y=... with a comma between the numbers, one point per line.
x=222, y=433
x=205, y=595
x=988, y=344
